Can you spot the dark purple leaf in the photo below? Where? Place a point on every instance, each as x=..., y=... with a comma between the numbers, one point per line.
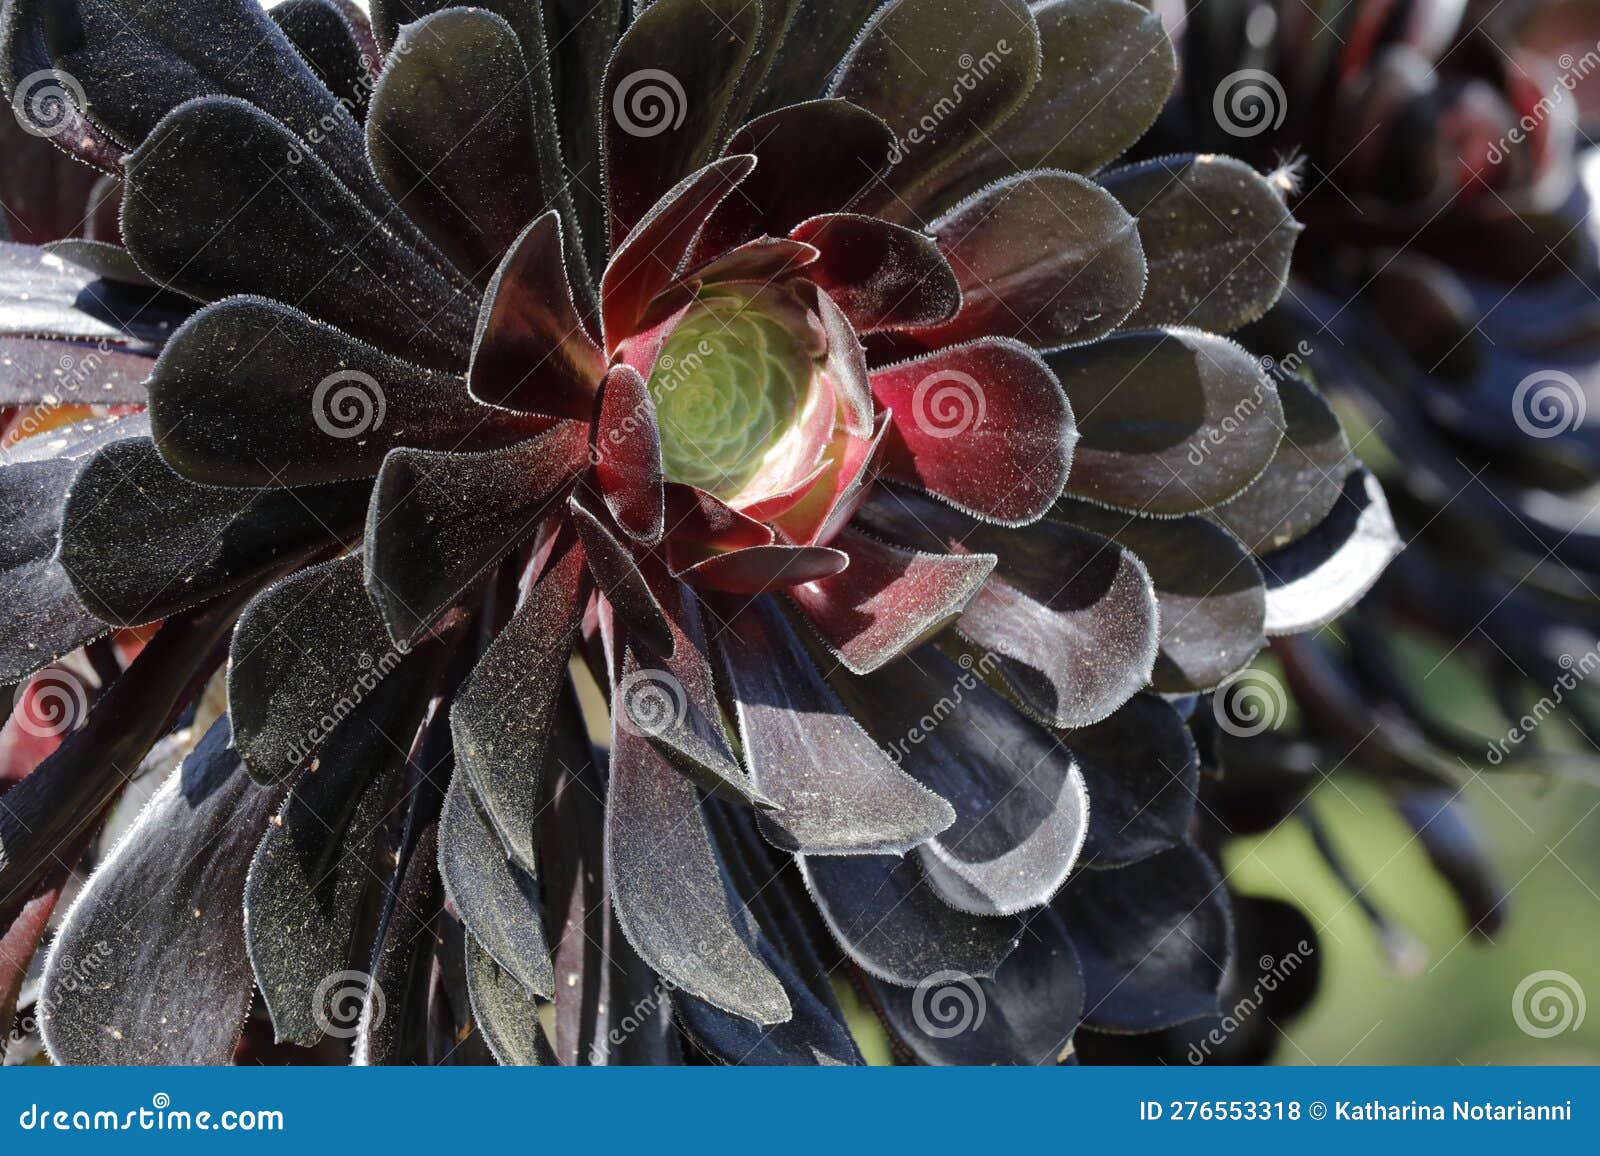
x=836, y=792
x=915, y=54
x=766, y=259
x=1317, y=578
x=653, y=253
x=889, y=600
x=506, y=1015
x=291, y=232
x=882, y=276
x=1173, y=421
x=1207, y=586
x=1143, y=773
x=502, y=718
x=627, y=455
x=618, y=577
x=675, y=705
x=1048, y=258
x=893, y=924
x=1021, y=807
x=400, y=974
x=334, y=38
x=41, y=618
x=817, y=1034
x=760, y=569
x=305, y=653
x=812, y=158
x=312, y=874
x=103, y=259
x=140, y=542
x=453, y=135
x=1108, y=69
x=1024, y=1015
x=253, y=393
x=1217, y=237
x=984, y=426
x=1067, y=620
x=149, y=965
x=1302, y=483
x=1154, y=940
x=531, y=350
x=438, y=521
x=182, y=58
x=668, y=87
x=694, y=931
x=819, y=34
x=497, y=900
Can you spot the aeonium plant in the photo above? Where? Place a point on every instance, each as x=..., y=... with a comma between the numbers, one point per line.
x=1442, y=294
x=774, y=374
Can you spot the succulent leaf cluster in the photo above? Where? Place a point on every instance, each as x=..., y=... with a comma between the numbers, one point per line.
x=604, y=520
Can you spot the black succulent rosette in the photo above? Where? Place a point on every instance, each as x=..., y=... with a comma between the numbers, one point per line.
x=769, y=372
x=1443, y=296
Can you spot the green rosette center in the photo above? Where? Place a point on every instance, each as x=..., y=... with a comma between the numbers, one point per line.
x=730, y=387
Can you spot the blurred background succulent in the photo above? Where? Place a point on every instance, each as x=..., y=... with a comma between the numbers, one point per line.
x=592, y=527
x=1443, y=298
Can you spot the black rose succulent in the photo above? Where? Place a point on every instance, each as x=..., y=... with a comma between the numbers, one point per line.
x=771, y=373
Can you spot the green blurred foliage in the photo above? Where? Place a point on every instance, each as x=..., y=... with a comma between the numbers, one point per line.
x=1453, y=1004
